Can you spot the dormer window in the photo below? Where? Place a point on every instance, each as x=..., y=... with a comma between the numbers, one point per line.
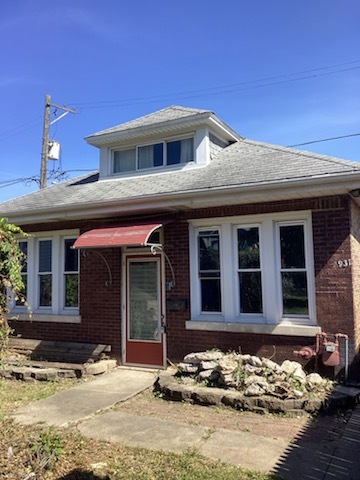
x=161, y=154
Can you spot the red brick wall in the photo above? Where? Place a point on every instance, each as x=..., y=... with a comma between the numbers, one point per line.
x=331, y=227
x=100, y=305
x=355, y=268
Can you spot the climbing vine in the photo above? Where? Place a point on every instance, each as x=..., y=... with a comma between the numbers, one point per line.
x=11, y=263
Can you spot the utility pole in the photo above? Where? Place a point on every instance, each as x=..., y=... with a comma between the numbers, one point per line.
x=45, y=139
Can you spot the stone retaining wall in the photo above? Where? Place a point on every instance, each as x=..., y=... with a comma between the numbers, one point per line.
x=172, y=389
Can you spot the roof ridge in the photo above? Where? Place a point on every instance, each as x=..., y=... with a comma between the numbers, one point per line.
x=158, y=117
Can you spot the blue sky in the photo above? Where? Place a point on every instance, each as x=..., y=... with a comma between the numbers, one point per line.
x=281, y=72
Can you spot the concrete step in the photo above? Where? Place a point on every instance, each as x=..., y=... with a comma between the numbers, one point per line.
x=45, y=371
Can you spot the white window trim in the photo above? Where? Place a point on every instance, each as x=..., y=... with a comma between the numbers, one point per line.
x=271, y=320
x=164, y=166
x=57, y=312
x=309, y=269
x=209, y=315
x=248, y=317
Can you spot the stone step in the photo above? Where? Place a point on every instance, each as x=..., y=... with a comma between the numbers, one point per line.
x=47, y=371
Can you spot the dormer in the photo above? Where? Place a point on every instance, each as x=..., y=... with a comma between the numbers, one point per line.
x=174, y=138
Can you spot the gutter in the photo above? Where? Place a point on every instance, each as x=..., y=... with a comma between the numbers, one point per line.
x=191, y=199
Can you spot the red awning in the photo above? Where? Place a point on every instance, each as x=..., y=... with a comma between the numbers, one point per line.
x=129, y=235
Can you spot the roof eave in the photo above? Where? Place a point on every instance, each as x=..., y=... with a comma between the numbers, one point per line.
x=250, y=193
x=108, y=139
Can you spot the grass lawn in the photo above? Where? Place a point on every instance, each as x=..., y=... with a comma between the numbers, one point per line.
x=60, y=454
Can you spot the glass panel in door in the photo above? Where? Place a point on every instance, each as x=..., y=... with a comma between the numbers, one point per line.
x=144, y=301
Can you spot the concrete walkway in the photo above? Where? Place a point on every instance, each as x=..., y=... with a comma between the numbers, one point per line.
x=328, y=449
x=87, y=399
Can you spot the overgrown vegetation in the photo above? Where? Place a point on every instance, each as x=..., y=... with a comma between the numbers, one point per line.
x=11, y=264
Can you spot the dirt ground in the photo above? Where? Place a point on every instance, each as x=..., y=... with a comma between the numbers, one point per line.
x=274, y=426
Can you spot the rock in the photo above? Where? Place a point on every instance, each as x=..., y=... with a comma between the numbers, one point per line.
x=299, y=375
x=227, y=364
x=276, y=378
x=251, y=369
x=232, y=399
x=270, y=365
x=290, y=367
x=44, y=374
x=203, y=356
x=256, y=379
x=254, y=390
x=210, y=375
x=191, y=358
x=297, y=393
x=208, y=365
x=100, y=367
x=313, y=381
x=254, y=361
x=228, y=380
x=244, y=358
x=207, y=396
x=188, y=367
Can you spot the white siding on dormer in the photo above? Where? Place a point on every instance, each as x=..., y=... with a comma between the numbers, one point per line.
x=105, y=162
x=201, y=145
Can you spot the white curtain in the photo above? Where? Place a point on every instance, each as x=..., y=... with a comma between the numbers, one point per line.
x=146, y=156
x=187, y=150
x=124, y=161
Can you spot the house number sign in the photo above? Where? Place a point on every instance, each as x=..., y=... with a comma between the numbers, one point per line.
x=344, y=263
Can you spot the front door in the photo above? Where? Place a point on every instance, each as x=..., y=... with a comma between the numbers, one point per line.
x=144, y=343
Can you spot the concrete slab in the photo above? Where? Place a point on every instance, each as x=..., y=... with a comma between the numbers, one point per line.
x=87, y=399
x=141, y=431
x=244, y=449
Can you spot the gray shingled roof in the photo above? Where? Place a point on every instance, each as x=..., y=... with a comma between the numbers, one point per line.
x=244, y=163
x=161, y=116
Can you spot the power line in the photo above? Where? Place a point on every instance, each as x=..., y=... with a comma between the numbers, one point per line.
x=20, y=128
x=36, y=178
x=230, y=88
x=325, y=140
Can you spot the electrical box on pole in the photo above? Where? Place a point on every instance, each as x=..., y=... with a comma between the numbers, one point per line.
x=50, y=149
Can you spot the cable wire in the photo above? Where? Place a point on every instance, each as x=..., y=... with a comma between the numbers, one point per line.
x=230, y=88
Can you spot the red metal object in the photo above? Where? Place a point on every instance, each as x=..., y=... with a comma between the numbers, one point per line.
x=327, y=347
x=330, y=352
x=326, y=350
x=306, y=352
x=117, y=236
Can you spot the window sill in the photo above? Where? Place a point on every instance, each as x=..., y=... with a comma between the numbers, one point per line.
x=270, y=329
x=43, y=317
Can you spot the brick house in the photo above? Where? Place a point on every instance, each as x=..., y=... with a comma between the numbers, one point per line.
x=191, y=237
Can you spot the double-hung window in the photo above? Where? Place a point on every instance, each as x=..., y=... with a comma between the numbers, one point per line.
x=45, y=273
x=209, y=270
x=51, y=277
x=71, y=274
x=293, y=271
x=160, y=154
x=253, y=270
x=249, y=270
